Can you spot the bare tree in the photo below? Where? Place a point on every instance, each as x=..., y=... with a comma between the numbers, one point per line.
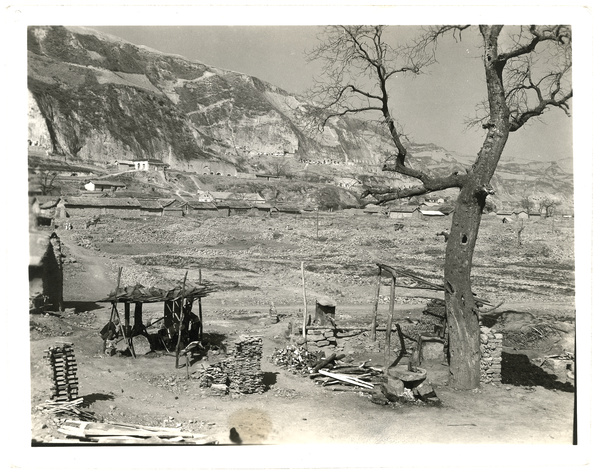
x=358, y=67
x=281, y=167
x=528, y=203
x=548, y=204
x=520, y=232
x=46, y=181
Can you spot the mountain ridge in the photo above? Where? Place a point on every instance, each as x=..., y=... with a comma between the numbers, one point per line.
x=98, y=98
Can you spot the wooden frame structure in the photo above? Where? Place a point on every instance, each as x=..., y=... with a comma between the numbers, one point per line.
x=396, y=273
x=177, y=314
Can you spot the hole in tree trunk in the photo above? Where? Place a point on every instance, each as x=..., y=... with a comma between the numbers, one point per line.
x=464, y=239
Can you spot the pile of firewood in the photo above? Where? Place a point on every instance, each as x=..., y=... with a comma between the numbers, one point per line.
x=121, y=433
x=63, y=368
x=66, y=409
x=340, y=377
x=296, y=359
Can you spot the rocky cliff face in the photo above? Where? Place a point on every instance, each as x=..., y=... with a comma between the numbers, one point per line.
x=99, y=99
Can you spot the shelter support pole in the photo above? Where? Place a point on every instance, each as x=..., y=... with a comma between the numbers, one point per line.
x=178, y=348
x=388, y=331
x=127, y=314
x=375, y=304
x=201, y=331
x=138, y=322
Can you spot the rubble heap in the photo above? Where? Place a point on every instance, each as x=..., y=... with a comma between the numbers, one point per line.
x=296, y=359
x=63, y=368
x=491, y=355
x=243, y=366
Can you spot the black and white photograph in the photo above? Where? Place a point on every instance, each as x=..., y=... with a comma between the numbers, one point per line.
x=309, y=233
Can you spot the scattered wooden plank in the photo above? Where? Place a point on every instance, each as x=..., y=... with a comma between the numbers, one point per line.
x=348, y=389
x=347, y=379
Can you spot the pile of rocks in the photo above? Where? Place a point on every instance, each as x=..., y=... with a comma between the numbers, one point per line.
x=491, y=355
x=63, y=369
x=243, y=366
x=319, y=338
x=213, y=374
x=239, y=373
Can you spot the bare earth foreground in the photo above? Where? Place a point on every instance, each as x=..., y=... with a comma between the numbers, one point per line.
x=255, y=262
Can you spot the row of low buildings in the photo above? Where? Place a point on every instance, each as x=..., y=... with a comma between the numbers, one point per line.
x=52, y=207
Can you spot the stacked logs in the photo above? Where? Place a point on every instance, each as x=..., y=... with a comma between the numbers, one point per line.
x=63, y=368
x=296, y=359
x=243, y=366
x=491, y=355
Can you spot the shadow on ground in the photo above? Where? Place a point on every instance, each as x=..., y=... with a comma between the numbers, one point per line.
x=82, y=306
x=90, y=399
x=269, y=379
x=518, y=370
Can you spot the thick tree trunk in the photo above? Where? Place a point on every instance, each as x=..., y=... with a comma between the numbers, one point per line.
x=463, y=323
x=463, y=320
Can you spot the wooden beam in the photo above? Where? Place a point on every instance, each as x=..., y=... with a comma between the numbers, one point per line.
x=304, y=322
x=177, y=348
x=396, y=273
x=375, y=304
x=388, y=331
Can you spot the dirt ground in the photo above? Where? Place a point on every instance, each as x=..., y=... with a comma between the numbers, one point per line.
x=255, y=263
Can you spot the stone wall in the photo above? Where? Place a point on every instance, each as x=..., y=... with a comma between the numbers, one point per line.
x=319, y=338
x=491, y=355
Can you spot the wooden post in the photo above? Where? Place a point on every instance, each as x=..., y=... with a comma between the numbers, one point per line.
x=201, y=332
x=138, y=321
x=177, y=348
x=375, y=304
x=388, y=331
x=305, y=306
x=118, y=281
x=126, y=315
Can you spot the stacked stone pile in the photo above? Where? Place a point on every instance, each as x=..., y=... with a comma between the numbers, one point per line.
x=320, y=338
x=213, y=374
x=239, y=373
x=491, y=355
x=243, y=366
x=63, y=369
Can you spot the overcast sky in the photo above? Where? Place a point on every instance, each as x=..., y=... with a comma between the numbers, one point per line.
x=433, y=107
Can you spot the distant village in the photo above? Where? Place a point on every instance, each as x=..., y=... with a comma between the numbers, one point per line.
x=110, y=197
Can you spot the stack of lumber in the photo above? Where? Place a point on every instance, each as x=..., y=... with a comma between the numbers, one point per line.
x=66, y=409
x=121, y=433
x=63, y=368
x=243, y=366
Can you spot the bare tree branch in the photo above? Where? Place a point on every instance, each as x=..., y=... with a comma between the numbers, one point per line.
x=559, y=33
x=358, y=63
